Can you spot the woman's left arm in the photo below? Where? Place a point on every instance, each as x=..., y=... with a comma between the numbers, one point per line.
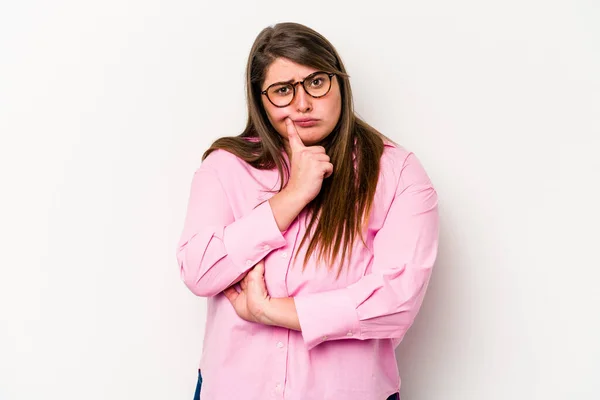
x=380, y=305
x=384, y=303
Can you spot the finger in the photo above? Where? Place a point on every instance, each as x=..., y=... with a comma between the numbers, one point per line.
x=296, y=143
x=256, y=284
x=257, y=273
x=321, y=157
x=231, y=294
x=317, y=149
x=259, y=269
x=327, y=170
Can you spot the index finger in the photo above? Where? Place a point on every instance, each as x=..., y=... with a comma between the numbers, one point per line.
x=293, y=137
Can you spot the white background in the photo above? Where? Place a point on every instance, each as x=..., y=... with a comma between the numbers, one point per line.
x=107, y=106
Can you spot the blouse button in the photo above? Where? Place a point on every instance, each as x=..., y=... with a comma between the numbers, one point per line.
x=284, y=254
x=248, y=263
x=349, y=333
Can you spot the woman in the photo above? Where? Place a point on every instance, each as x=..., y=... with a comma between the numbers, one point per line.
x=311, y=234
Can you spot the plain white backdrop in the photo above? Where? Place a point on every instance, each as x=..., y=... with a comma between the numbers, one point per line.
x=107, y=106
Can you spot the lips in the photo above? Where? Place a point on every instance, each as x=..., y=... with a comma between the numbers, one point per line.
x=306, y=122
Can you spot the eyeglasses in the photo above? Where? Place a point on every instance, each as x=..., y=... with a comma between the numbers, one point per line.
x=316, y=85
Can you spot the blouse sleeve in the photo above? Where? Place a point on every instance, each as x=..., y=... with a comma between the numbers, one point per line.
x=215, y=249
x=383, y=303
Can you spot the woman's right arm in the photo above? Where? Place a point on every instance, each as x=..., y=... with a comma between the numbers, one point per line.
x=215, y=250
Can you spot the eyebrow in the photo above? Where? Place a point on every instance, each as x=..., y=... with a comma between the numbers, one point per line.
x=279, y=83
x=288, y=81
x=291, y=80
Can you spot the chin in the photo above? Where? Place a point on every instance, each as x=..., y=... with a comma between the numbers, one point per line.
x=311, y=137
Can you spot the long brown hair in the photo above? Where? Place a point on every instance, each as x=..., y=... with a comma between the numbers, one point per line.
x=339, y=213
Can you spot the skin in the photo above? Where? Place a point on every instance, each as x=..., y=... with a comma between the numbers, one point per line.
x=310, y=165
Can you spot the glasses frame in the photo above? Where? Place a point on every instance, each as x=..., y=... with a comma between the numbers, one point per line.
x=330, y=74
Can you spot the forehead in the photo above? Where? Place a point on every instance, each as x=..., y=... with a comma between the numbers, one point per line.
x=282, y=70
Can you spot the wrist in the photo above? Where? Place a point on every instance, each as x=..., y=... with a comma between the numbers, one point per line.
x=282, y=312
x=286, y=205
x=293, y=199
x=268, y=313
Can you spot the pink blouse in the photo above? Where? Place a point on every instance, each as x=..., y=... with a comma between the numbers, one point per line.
x=350, y=325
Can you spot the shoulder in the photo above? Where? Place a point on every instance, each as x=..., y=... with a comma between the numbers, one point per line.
x=224, y=160
x=393, y=158
x=219, y=160
x=394, y=153
x=399, y=166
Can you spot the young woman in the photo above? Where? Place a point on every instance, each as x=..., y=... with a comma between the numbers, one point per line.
x=312, y=235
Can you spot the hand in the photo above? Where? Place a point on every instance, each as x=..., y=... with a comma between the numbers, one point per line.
x=310, y=165
x=252, y=302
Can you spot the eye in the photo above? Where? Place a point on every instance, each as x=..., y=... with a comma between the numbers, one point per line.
x=283, y=90
x=316, y=82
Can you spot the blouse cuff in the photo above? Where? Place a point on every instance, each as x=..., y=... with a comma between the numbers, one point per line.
x=327, y=316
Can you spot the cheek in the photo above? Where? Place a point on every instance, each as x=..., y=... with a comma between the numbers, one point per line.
x=332, y=106
x=277, y=117
x=334, y=110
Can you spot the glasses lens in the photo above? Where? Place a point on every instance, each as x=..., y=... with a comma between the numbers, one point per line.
x=281, y=95
x=318, y=85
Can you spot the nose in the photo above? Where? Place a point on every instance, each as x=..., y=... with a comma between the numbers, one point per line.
x=303, y=101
